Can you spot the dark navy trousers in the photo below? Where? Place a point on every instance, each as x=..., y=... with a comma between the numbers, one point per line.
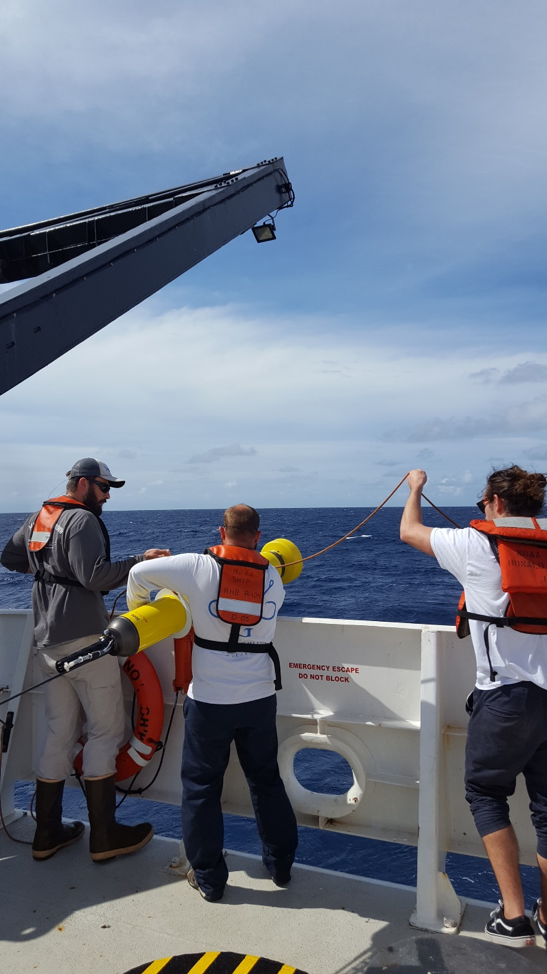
x=507, y=736
x=208, y=732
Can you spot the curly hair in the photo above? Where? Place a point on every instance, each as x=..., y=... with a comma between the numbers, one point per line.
x=523, y=493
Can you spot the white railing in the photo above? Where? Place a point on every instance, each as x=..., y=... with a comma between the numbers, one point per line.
x=389, y=697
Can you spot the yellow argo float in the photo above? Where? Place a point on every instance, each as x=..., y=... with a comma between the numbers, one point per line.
x=140, y=628
x=280, y=554
x=169, y=614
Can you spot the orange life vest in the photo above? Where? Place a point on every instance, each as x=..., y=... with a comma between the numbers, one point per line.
x=47, y=519
x=241, y=586
x=520, y=546
x=240, y=600
x=41, y=535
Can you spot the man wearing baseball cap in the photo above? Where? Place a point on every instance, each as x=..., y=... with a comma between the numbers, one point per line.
x=66, y=547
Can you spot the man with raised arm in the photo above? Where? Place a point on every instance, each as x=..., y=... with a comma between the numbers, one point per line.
x=66, y=547
x=501, y=563
x=234, y=596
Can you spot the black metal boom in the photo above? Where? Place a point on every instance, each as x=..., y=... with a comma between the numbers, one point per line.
x=95, y=265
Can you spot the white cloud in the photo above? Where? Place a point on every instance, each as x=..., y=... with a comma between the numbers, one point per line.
x=315, y=435
x=526, y=417
x=218, y=452
x=416, y=138
x=487, y=376
x=525, y=372
x=422, y=76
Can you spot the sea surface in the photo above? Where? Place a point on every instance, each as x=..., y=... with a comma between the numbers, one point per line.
x=370, y=575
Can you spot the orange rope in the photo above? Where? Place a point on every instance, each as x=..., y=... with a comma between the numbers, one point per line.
x=439, y=511
x=375, y=511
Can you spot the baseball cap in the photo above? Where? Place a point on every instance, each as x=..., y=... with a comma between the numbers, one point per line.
x=89, y=467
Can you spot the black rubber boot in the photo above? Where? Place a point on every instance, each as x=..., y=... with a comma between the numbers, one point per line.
x=51, y=835
x=107, y=838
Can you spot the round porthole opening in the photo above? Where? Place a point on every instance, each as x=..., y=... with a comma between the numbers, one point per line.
x=325, y=772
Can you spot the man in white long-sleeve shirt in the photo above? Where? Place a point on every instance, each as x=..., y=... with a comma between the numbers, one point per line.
x=231, y=698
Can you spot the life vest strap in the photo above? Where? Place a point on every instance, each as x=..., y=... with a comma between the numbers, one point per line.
x=63, y=503
x=42, y=575
x=233, y=641
x=493, y=673
x=503, y=621
x=230, y=647
x=242, y=556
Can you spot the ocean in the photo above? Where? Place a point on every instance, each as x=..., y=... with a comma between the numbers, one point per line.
x=371, y=575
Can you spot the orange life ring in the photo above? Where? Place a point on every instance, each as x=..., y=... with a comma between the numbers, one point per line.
x=137, y=751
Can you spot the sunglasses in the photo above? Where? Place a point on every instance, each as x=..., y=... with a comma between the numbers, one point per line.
x=105, y=488
x=481, y=506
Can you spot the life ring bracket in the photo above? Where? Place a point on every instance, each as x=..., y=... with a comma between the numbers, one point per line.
x=349, y=746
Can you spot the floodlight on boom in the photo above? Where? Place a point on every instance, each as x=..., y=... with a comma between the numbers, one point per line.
x=264, y=231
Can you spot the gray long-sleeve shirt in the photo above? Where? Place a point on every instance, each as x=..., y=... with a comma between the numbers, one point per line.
x=77, y=551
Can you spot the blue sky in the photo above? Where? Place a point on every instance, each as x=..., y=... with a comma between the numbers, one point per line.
x=399, y=318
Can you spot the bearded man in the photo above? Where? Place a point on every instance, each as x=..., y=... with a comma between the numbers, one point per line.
x=66, y=547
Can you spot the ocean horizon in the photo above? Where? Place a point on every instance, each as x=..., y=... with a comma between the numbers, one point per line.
x=371, y=575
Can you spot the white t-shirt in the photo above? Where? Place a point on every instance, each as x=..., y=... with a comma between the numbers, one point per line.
x=217, y=677
x=515, y=656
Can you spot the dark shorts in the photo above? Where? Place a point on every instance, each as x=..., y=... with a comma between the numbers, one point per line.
x=507, y=736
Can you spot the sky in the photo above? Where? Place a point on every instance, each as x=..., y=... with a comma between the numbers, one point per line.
x=398, y=320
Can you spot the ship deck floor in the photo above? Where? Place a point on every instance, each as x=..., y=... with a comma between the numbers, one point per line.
x=71, y=916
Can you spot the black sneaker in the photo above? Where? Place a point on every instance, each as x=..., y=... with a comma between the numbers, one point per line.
x=538, y=921
x=517, y=932
x=212, y=897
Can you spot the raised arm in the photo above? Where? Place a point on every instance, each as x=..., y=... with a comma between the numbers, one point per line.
x=413, y=530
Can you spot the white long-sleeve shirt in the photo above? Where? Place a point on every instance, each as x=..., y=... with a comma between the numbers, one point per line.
x=218, y=677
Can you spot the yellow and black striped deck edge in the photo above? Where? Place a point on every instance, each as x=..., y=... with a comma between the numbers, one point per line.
x=214, y=962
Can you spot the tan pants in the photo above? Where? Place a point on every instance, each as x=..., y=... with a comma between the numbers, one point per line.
x=94, y=689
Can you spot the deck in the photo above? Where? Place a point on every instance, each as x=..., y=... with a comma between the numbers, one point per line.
x=71, y=916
